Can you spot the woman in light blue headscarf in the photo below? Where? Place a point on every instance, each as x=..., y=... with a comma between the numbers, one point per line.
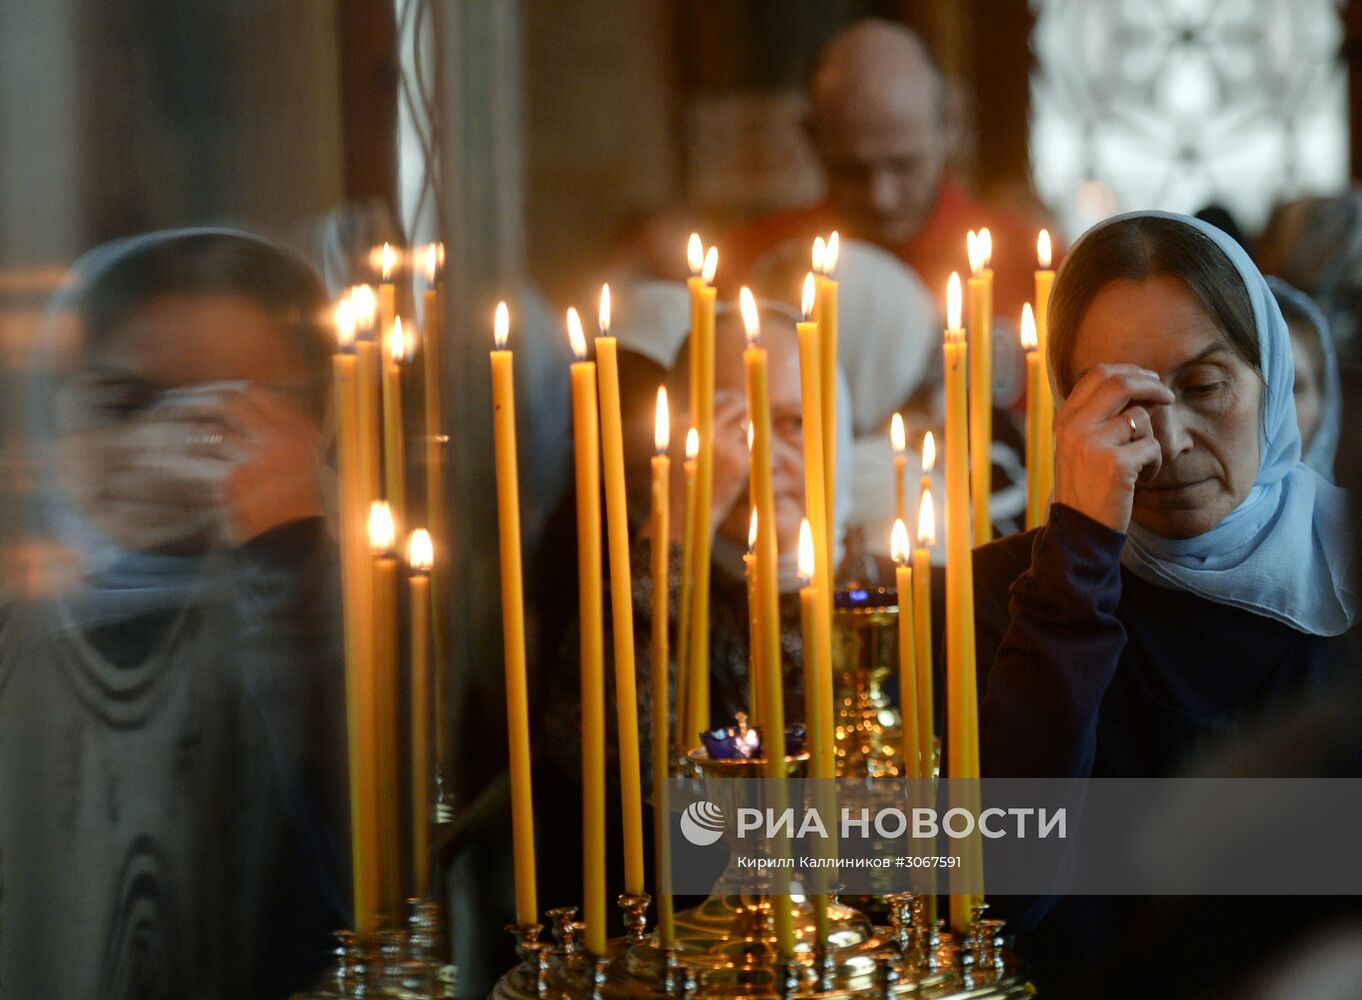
x=174, y=743
x=1318, y=388
x=1193, y=573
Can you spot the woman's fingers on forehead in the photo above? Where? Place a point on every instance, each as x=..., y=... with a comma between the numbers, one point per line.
x=1111, y=388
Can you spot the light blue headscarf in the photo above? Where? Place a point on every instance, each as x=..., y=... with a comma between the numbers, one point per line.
x=1286, y=551
x=1323, y=447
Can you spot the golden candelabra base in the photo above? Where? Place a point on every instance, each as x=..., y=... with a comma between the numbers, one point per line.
x=393, y=964
x=726, y=947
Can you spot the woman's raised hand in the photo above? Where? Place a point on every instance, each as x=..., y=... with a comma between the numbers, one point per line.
x=1104, y=441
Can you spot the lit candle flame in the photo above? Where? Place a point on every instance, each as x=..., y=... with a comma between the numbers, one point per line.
x=986, y=246
x=605, y=311
x=692, y=444
x=381, y=530
x=389, y=261
x=366, y=306
x=820, y=255
x=751, y=436
x=953, y=302
x=805, y=550
x=928, y=453
x=662, y=427
x=420, y=551
x=695, y=254
x=575, y=335
x=1043, y=249
x=834, y=249
x=752, y=531
x=711, y=267
x=898, y=438
x=345, y=323
x=975, y=252
x=1028, y=328
x=432, y=256
x=501, y=326
x=898, y=545
x=926, y=520
x=806, y=305
x=397, y=341
x=750, y=321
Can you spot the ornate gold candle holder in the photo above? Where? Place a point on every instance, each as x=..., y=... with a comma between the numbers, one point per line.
x=727, y=946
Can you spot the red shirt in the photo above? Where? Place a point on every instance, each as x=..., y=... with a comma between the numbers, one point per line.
x=933, y=252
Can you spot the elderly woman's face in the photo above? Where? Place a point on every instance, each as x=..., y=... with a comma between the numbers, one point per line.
x=1209, y=434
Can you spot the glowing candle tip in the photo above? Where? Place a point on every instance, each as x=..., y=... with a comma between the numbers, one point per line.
x=381, y=530
x=501, y=326
x=898, y=543
x=576, y=337
x=926, y=520
x=420, y=551
x=1028, y=328
x=805, y=550
x=953, y=302
x=662, y=427
x=750, y=320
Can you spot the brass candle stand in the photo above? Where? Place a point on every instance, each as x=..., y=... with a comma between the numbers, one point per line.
x=727, y=945
x=408, y=963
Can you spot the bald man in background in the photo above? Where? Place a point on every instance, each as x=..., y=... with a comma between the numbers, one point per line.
x=884, y=130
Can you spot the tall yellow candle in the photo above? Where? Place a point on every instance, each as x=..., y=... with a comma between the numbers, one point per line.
x=702, y=367
x=754, y=665
x=898, y=440
x=980, y=382
x=586, y=443
x=513, y=621
x=685, y=731
x=818, y=668
x=922, y=637
x=394, y=443
x=922, y=629
x=908, y=669
x=368, y=409
x=661, y=548
x=961, y=705
x=420, y=558
x=381, y=541
x=621, y=598
x=755, y=367
x=432, y=371
x=1035, y=504
x=814, y=625
x=362, y=753
x=1045, y=420
x=825, y=312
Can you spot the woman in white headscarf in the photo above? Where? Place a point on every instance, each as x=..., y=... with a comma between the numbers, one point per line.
x=1192, y=576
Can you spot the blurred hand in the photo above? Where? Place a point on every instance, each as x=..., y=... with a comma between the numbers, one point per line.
x=1104, y=441
x=249, y=452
